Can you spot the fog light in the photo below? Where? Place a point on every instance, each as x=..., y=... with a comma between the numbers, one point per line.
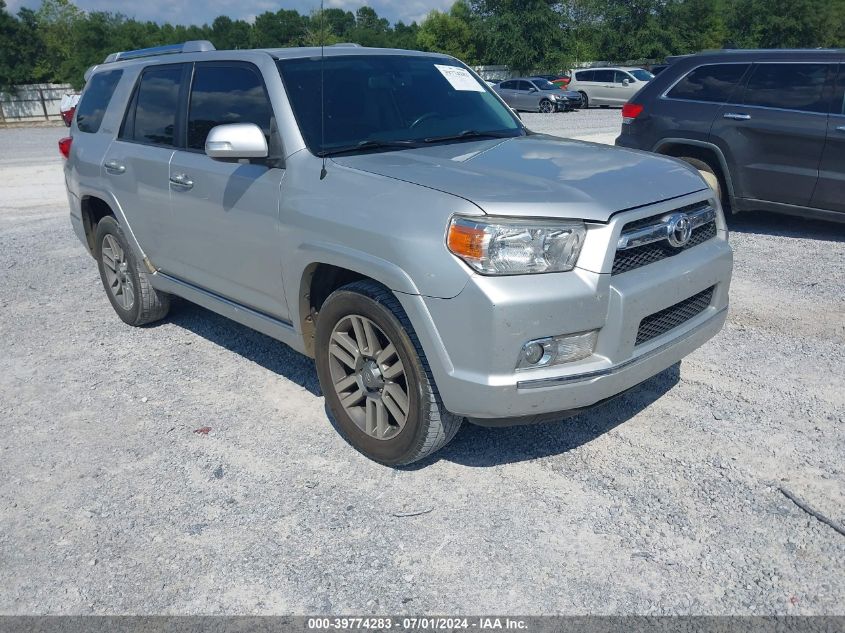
x=556, y=350
x=533, y=353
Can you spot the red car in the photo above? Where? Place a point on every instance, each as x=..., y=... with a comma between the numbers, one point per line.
x=559, y=80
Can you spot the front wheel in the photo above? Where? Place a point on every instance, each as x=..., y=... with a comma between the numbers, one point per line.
x=376, y=379
x=546, y=106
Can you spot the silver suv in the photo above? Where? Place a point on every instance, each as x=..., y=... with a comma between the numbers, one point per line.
x=385, y=213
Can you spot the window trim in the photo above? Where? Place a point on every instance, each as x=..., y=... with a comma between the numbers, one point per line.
x=131, y=107
x=222, y=63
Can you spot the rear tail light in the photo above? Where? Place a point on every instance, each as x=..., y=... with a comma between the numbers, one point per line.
x=631, y=111
x=64, y=146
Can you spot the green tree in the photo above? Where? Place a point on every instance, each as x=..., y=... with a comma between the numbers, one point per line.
x=58, y=21
x=450, y=33
x=229, y=34
x=285, y=27
x=524, y=34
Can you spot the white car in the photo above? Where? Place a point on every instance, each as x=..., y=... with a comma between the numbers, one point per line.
x=608, y=86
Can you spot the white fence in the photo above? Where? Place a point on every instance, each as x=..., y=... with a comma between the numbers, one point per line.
x=33, y=102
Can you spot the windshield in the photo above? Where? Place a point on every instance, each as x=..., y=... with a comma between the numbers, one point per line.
x=373, y=101
x=642, y=75
x=544, y=84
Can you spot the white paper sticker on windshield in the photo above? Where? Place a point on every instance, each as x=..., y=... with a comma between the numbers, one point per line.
x=459, y=78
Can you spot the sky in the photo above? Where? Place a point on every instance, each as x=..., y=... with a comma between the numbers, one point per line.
x=204, y=11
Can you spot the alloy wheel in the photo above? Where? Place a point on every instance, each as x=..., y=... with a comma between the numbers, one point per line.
x=117, y=273
x=368, y=377
x=545, y=107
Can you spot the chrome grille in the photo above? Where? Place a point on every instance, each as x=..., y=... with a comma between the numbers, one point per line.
x=668, y=319
x=631, y=253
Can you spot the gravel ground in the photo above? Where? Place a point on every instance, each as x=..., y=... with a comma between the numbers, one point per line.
x=664, y=501
x=600, y=125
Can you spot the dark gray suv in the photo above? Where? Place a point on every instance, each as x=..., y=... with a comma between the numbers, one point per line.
x=765, y=127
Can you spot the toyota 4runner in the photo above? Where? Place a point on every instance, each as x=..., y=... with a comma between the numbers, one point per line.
x=387, y=214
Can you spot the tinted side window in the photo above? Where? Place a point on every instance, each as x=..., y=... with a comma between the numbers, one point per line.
x=709, y=83
x=525, y=86
x=619, y=77
x=839, y=100
x=507, y=85
x=226, y=94
x=92, y=106
x=789, y=86
x=605, y=76
x=584, y=75
x=157, y=102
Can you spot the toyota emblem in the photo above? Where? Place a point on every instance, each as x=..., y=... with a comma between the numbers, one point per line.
x=679, y=229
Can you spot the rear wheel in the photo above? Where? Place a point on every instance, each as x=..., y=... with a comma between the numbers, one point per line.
x=376, y=379
x=125, y=279
x=711, y=177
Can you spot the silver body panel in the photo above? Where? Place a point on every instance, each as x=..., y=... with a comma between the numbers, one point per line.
x=242, y=238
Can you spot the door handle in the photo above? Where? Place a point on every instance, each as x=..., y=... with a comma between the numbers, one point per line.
x=181, y=180
x=737, y=116
x=114, y=167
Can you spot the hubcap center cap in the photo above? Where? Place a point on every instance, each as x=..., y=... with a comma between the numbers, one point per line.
x=371, y=377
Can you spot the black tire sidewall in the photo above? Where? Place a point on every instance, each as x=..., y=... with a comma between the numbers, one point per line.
x=108, y=226
x=406, y=444
x=585, y=100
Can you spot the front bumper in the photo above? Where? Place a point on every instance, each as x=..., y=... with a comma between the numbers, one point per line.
x=473, y=341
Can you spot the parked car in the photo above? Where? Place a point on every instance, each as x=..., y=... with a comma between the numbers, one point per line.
x=608, y=86
x=531, y=94
x=437, y=259
x=574, y=101
x=766, y=128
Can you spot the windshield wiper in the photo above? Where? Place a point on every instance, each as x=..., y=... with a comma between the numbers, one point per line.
x=467, y=134
x=367, y=145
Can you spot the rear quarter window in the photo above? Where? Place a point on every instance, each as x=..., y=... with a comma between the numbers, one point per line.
x=584, y=75
x=714, y=83
x=95, y=100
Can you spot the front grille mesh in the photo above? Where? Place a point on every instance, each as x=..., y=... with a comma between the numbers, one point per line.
x=654, y=252
x=649, y=253
x=668, y=319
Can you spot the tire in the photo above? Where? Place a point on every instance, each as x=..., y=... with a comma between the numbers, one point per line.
x=125, y=280
x=711, y=177
x=585, y=100
x=366, y=417
x=546, y=106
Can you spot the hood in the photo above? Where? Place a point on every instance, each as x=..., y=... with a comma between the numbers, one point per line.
x=537, y=175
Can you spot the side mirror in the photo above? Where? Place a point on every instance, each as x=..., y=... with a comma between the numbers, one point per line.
x=532, y=90
x=236, y=140
x=626, y=82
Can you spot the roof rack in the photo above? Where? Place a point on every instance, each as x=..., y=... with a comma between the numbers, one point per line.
x=194, y=46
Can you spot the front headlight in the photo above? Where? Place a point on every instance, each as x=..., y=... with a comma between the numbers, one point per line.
x=512, y=246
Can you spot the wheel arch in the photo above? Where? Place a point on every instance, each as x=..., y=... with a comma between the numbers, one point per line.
x=332, y=269
x=707, y=152
x=93, y=209
x=97, y=198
